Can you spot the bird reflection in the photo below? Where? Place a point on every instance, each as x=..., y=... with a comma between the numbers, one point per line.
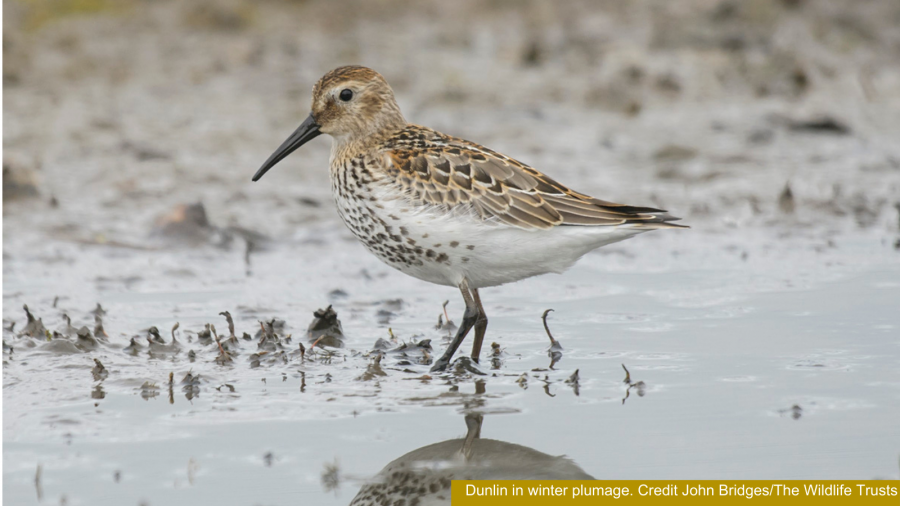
x=423, y=476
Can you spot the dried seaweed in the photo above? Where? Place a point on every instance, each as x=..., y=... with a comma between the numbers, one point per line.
x=230, y=321
x=154, y=337
x=149, y=390
x=555, y=350
x=373, y=370
x=224, y=357
x=574, y=382
x=325, y=329
x=84, y=340
x=99, y=372
x=34, y=327
x=444, y=321
x=190, y=385
x=98, y=326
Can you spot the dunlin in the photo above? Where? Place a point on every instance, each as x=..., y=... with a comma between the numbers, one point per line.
x=447, y=210
x=423, y=476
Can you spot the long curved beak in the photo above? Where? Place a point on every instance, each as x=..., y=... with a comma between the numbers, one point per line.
x=307, y=131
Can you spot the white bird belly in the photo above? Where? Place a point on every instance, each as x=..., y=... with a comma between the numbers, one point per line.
x=444, y=248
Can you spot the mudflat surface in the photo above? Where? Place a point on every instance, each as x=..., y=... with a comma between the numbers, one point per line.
x=766, y=339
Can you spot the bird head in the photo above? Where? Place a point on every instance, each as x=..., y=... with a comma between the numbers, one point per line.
x=350, y=104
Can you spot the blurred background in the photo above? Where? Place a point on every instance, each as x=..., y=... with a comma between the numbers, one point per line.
x=766, y=334
x=708, y=107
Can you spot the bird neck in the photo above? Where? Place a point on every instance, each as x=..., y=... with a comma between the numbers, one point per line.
x=349, y=146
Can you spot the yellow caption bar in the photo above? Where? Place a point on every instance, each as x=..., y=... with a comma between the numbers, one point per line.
x=662, y=492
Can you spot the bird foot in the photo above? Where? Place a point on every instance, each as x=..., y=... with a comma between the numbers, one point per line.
x=461, y=365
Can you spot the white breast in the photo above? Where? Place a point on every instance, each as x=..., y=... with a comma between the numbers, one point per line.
x=442, y=247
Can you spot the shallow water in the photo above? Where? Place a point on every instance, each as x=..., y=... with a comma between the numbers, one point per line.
x=752, y=369
x=762, y=343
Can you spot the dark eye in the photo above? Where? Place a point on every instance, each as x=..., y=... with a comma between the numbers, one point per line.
x=346, y=95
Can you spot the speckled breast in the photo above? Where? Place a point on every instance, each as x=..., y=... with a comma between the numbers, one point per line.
x=381, y=231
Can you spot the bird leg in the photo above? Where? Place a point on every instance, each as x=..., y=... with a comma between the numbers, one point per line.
x=469, y=319
x=473, y=432
x=480, y=326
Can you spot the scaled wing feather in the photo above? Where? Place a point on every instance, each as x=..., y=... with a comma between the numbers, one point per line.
x=433, y=168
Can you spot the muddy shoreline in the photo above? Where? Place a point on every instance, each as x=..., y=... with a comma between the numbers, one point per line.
x=762, y=342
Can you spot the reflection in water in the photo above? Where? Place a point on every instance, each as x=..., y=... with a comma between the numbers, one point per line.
x=149, y=390
x=37, y=483
x=639, y=386
x=555, y=351
x=98, y=392
x=423, y=476
x=573, y=381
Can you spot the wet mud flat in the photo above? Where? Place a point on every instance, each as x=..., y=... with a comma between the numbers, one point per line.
x=762, y=342
x=699, y=370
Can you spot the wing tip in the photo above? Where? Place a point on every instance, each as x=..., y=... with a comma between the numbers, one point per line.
x=660, y=219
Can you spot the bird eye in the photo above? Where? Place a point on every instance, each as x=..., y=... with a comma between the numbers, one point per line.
x=346, y=95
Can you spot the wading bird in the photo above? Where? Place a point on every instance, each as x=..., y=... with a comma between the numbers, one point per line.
x=447, y=210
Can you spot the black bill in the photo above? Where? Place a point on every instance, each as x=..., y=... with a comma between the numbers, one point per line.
x=307, y=131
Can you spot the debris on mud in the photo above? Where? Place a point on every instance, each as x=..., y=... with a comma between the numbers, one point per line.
x=230, y=321
x=639, y=386
x=522, y=381
x=554, y=344
x=674, y=153
x=270, y=328
x=795, y=412
x=189, y=225
x=463, y=365
x=300, y=351
x=34, y=327
x=547, y=384
x=496, y=356
x=820, y=125
x=555, y=350
x=786, y=200
x=387, y=310
x=573, y=381
x=269, y=340
x=37, y=482
x=227, y=386
x=338, y=293
x=19, y=181
x=143, y=152
x=190, y=385
x=444, y=322
x=186, y=224
x=154, y=337
x=157, y=346
x=224, y=356
x=268, y=358
x=99, y=372
x=134, y=347
x=331, y=477
x=149, y=390
x=373, y=370
x=84, y=340
x=407, y=353
x=325, y=329
x=98, y=327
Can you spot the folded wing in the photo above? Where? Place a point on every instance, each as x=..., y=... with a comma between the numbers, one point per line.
x=437, y=169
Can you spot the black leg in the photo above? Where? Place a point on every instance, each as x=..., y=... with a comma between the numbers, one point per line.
x=480, y=326
x=469, y=319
